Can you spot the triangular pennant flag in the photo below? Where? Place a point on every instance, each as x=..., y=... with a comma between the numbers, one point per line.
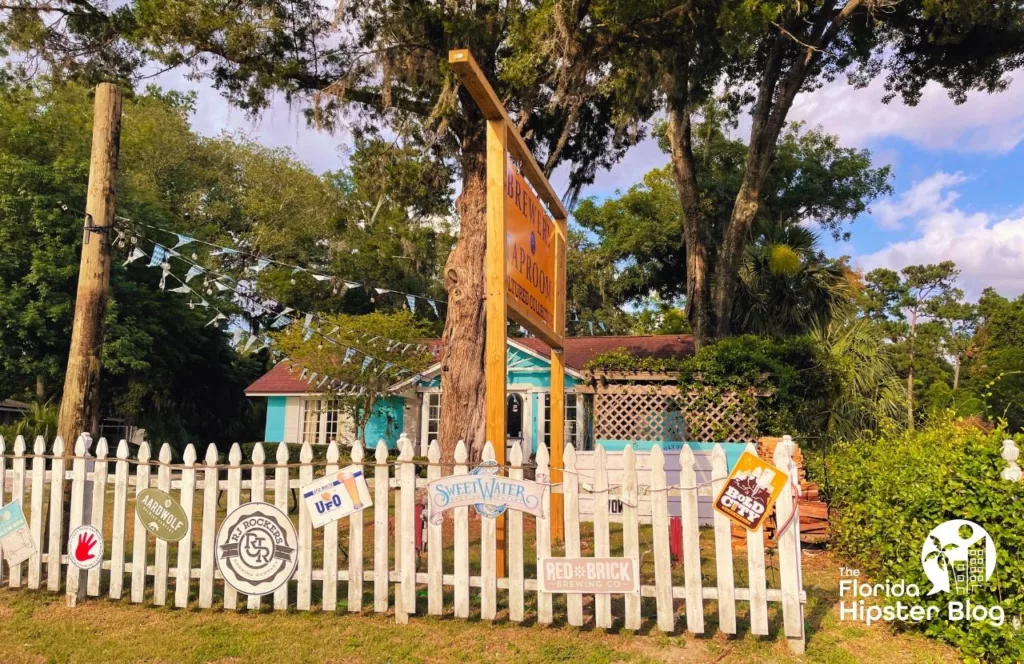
x=183, y=240
x=216, y=320
x=280, y=322
x=249, y=342
x=312, y=377
x=236, y=336
x=333, y=330
x=165, y=270
x=352, y=284
x=308, y=334
x=203, y=304
x=286, y=311
x=261, y=264
x=366, y=363
x=412, y=302
x=433, y=305
x=159, y=255
x=591, y=324
x=322, y=381
x=321, y=277
x=305, y=372
x=348, y=355
x=223, y=252
x=135, y=255
x=381, y=291
x=387, y=365
x=180, y=289
x=221, y=286
x=309, y=320
x=193, y=272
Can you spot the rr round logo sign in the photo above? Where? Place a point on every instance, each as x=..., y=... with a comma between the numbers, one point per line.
x=256, y=548
x=958, y=555
x=85, y=547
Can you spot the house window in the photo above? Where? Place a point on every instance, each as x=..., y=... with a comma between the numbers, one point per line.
x=572, y=420
x=320, y=421
x=433, y=403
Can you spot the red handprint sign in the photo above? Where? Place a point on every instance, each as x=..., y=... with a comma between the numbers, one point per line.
x=85, y=547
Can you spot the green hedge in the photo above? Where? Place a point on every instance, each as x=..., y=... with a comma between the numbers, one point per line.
x=890, y=491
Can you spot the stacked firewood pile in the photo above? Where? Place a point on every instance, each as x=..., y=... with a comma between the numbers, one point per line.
x=814, y=525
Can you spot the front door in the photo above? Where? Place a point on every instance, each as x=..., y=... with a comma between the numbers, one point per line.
x=515, y=421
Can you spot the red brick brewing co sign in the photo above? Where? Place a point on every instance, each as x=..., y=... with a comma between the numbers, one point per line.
x=589, y=575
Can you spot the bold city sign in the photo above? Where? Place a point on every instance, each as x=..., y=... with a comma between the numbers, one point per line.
x=530, y=238
x=589, y=575
x=256, y=548
x=85, y=547
x=161, y=515
x=15, y=538
x=489, y=493
x=751, y=491
x=336, y=495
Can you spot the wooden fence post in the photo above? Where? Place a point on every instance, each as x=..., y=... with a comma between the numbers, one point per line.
x=330, y=588
x=208, y=543
x=380, y=528
x=631, y=530
x=461, y=541
x=18, y=494
x=725, y=578
x=545, y=614
x=304, y=597
x=163, y=483
x=257, y=494
x=98, y=508
x=281, y=477
x=662, y=563
x=788, y=512
x=117, y=546
x=406, y=550
x=571, y=512
x=435, y=556
x=76, y=578
x=691, y=542
x=56, y=543
x=602, y=541
x=139, y=533
x=183, y=577
x=515, y=541
x=355, y=544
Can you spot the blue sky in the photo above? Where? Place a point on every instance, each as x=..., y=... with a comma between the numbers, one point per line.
x=957, y=171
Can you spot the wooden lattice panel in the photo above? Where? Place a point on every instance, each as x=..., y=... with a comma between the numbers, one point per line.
x=662, y=413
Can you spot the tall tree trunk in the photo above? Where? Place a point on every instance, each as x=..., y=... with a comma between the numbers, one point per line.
x=956, y=372
x=40, y=388
x=695, y=235
x=462, y=360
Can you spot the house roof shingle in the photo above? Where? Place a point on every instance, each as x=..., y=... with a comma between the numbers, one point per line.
x=578, y=351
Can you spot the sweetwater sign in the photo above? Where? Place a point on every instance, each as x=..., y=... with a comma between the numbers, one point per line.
x=589, y=575
x=530, y=235
x=481, y=489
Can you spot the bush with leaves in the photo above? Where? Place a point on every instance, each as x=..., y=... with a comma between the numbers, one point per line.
x=890, y=490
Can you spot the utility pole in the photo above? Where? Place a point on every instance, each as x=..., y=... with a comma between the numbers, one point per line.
x=79, y=406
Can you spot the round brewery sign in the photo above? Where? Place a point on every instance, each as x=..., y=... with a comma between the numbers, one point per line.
x=85, y=547
x=161, y=515
x=256, y=548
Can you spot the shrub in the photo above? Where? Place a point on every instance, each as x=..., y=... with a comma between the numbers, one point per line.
x=891, y=490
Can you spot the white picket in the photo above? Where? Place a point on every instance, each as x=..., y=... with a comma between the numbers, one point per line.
x=691, y=542
x=281, y=475
x=406, y=549
x=488, y=556
x=355, y=544
x=571, y=511
x=662, y=561
x=257, y=494
x=53, y=564
x=76, y=578
x=788, y=515
x=545, y=614
x=756, y=576
x=163, y=482
x=725, y=578
x=461, y=528
x=97, y=509
x=515, y=542
x=234, y=499
x=330, y=572
x=117, y=536
x=602, y=539
x=380, y=528
x=631, y=530
x=139, y=532
x=18, y=494
x=435, y=569
x=183, y=569
x=207, y=546
x=304, y=597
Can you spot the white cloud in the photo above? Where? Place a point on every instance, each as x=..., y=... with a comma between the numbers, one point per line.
x=924, y=197
x=986, y=123
x=989, y=250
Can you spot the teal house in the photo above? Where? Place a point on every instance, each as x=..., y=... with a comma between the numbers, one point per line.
x=297, y=415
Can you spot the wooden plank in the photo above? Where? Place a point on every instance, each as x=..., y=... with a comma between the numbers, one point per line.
x=208, y=542
x=139, y=531
x=545, y=615
x=435, y=554
x=602, y=539
x=18, y=494
x=483, y=94
x=163, y=482
x=76, y=581
x=257, y=494
x=330, y=589
x=757, y=578
x=515, y=542
x=186, y=497
x=691, y=542
x=234, y=499
x=726, y=580
x=281, y=473
x=117, y=538
x=380, y=528
x=662, y=562
x=56, y=535
x=355, y=544
x=571, y=487
x=488, y=555
x=304, y=596
x=99, y=502
x=461, y=528
x=407, y=542
x=557, y=438
x=631, y=530
x=787, y=511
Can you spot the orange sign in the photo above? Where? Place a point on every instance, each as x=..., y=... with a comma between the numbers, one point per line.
x=530, y=239
x=751, y=491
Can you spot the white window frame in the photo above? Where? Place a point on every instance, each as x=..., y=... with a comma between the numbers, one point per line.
x=543, y=424
x=328, y=416
x=425, y=419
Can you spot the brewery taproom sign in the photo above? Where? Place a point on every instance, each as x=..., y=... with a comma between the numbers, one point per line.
x=161, y=515
x=530, y=236
x=336, y=495
x=15, y=538
x=750, y=491
x=256, y=547
x=484, y=490
x=589, y=575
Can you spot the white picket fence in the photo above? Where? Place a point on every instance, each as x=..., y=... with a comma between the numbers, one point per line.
x=101, y=498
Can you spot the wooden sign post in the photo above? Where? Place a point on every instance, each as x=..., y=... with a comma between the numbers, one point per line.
x=525, y=270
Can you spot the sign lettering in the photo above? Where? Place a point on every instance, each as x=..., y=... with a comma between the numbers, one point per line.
x=750, y=491
x=530, y=236
x=589, y=575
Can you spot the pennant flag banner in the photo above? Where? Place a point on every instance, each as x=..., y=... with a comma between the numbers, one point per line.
x=352, y=284
x=223, y=252
x=280, y=322
x=180, y=289
x=249, y=342
x=433, y=305
x=366, y=363
x=381, y=291
x=261, y=264
x=193, y=272
x=216, y=320
x=309, y=320
x=183, y=240
x=159, y=255
x=348, y=355
x=308, y=334
x=321, y=277
x=135, y=255
x=221, y=286
x=412, y=303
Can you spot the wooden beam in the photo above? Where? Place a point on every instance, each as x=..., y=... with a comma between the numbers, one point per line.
x=473, y=78
x=558, y=383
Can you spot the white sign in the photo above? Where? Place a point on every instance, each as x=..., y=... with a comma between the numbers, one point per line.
x=589, y=575
x=85, y=547
x=15, y=538
x=336, y=495
x=256, y=547
x=482, y=489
